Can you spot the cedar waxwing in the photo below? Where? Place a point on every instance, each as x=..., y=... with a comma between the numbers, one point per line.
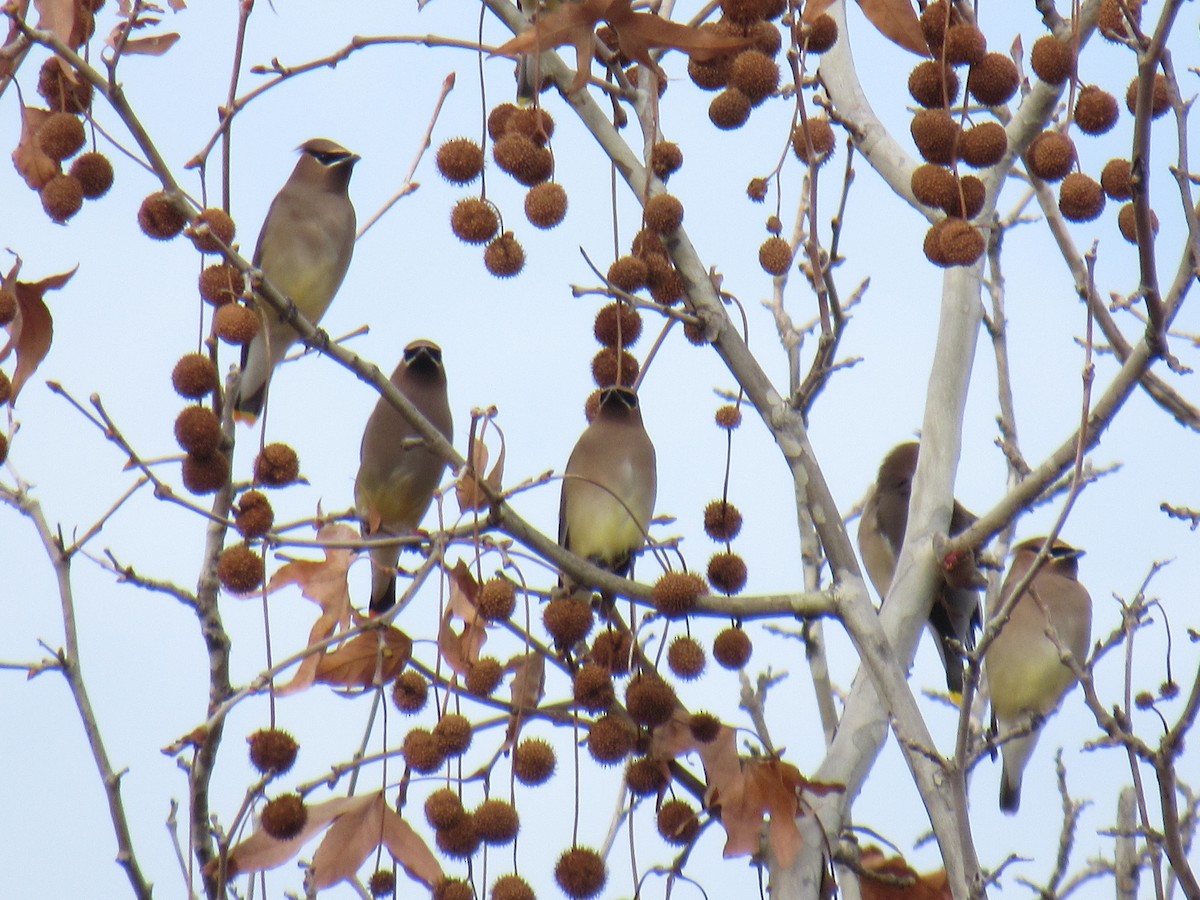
x=610, y=484
x=954, y=616
x=303, y=250
x=1025, y=676
x=398, y=474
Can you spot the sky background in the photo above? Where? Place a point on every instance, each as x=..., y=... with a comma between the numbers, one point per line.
x=524, y=345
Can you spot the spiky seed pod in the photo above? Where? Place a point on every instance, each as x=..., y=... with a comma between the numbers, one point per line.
x=628, y=273
x=665, y=159
x=732, y=648
x=1117, y=179
x=1111, y=20
x=444, y=809
x=453, y=733
x=744, y=12
x=198, y=430
x=240, y=570
x=61, y=136
x=592, y=688
x=722, y=520
x=1127, y=222
x=678, y=823
x=993, y=80
x=964, y=45
x=254, y=516
x=460, y=841
x=474, y=221
x=5, y=388
x=766, y=38
x=611, y=650
x=513, y=152
x=159, y=217
x=686, y=658
x=421, y=751
x=534, y=761
x=933, y=246
x=610, y=739
x=705, y=726
x=453, y=889
x=484, y=677
x=496, y=822
x=728, y=417
x=546, y=204
x=727, y=573
x=730, y=109
x=967, y=199
x=235, y=324
x=775, y=256
x=1052, y=59
x=960, y=243
x=617, y=325
x=665, y=282
x=533, y=122
x=272, y=751
x=59, y=91
x=504, y=257
x=675, y=593
x=8, y=306
x=212, y=225
x=62, y=197
x=756, y=190
x=935, y=132
x=497, y=123
x=935, y=20
x=1080, y=198
x=774, y=225
x=647, y=244
x=821, y=35
x=205, y=474
x=94, y=173
x=933, y=185
x=821, y=136
x=3, y=448
x=983, y=145
x=755, y=74
x=646, y=775
x=1096, y=110
x=512, y=887
x=382, y=883
x=460, y=160
x=1051, y=156
x=1160, y=101
x=580, y=873
x=591, y=405
x=649, y=700
x=497, y=599
x=612, y=366
x=276, y=465
x=933, y=85
x=220, y=284
x=284, y=817
x=410, y=692
x=709, y=75
x=568, y=621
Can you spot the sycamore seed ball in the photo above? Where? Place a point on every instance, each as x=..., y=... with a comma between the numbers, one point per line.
x=276, y=465
x=732, y=648
x=94, y=173
x=727, y=573
x=254, y=515
x=1112, y=22
x=211, y=226
x=755, y=74
x=504, y=257
x=933, y=85
x=410, y=692
x=665, y=159
x=497, y=123
x=678, y=823
x=611, y=650
x=614, y=367
x=756, y=190
x=964, y=45
x=474, y=221
x=935, y=132
x=775, y=256
x=205, y=474
x=1080, y=198
x=935, y=20
x=709, y=75
x=1127, y=222
x=533, y=122
x=705, y=727
x=580, y=873
x=5, y=388
x=628, y=273
x=534, y=761
x=62, y=197
x=1052, y=59
x=610, y=739
x=61, y=93
x=512, y=887
x=649, y=700
x=822, y=34
x=484, y=677
x=819, y=135
x=497, y=599
x=460, y=160
x=1117, y=179
x=198, y=430
x=617, y=325
x=592, y=688
x=993, y=80
x=220, y=284
x=284, y=817
x=729, y=109
x=160, y=218
x=663, y=213
x=983, y=145
x=382, y=883
x=675, y=593
x=744, y=12
x=1051, y=156
x=61, y=136
x=240, y=570
x=722, y=520
x=933, y=185
x=1096, y=110
x=453, y=889
x=545, y=204
x=967, y=199
x=686, y=658
x=272, y=752
x=3, y=448
x=1160, y=99
x=496, y=822
x=766, y=38
x=728, y=417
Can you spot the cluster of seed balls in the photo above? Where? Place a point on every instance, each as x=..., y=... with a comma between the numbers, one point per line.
x=59, y=137
x=520, y=139
x=746, y=79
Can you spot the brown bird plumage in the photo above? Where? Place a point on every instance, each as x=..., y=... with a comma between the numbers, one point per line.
x=954, y=616
x=303, y=250
x=1025, y=676
x=397, y=475
x=614, y=454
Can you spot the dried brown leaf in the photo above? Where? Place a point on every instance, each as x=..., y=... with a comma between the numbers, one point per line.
x=897, y=21
x=32, y=330
x=467, y=490
x=355, y=663
x=155, y=45
x=31, y=163
x=933, y=886
x=59, y=18
x=260, y=851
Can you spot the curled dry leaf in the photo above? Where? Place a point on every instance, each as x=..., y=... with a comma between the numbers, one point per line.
x=32, y=330
x=897, y=21
x=33, y=165
x=260, y=851
x=934, y=886
x=67, y=20
x=467, y=490
x=460, y=650
x=528, y=687
x=155, y=45
x=380, y=651
x=356, y=834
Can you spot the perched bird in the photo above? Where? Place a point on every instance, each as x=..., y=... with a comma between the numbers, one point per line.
x=397, y=473
x=303, y=250
x=954, y=616
x=1025, y=676
x=610, y=484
